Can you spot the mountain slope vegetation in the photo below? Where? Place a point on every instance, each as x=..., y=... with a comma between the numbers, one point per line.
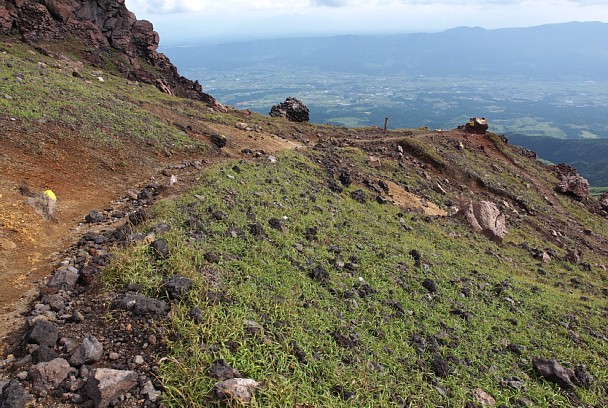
x=328, y=264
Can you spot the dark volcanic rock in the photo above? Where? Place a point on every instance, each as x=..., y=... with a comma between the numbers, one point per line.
x=177, y=286
x=13, y=395
x=43, y=354
x=141, y=305
x=292, y=109
x=359, y=196
x=319, y=274
x=430, y=285
x=43, y=333
x=218, y=140
x=552, y=371
x=94, y=217
x=160, y=248
x=440, y=367
x=222, y=371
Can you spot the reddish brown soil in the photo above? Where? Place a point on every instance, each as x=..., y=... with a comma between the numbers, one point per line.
x=84, y=176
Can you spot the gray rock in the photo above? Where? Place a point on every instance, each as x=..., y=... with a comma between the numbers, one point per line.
x=575, y=185
x=487, y=218
x=177, y=286
x=47, y=375
x=152, y=393
x=13, y=395
x=55, y=302
x=105, y=384
x=160, y=248
x=89, y=351
x=552, y=371
x=94, y=217
x=64, y=278
x=292, y=109
x=141, y=305
x=239, y=389
x=43, y=333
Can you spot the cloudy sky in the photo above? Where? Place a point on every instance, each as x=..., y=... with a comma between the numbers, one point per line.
x=186, y=21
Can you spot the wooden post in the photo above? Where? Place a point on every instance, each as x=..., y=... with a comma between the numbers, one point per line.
x=385, y=124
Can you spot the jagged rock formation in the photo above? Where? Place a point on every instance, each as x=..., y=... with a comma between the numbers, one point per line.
x=570, y=181
x=476, y=125
x=105, y=28
x=292, y=109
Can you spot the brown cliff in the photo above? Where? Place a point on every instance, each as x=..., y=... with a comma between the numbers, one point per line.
x=107, y=29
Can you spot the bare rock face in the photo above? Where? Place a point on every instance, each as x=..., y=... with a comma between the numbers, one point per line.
x=570, y=181
x=292, y=109
x=107, y=27
x=487, y=218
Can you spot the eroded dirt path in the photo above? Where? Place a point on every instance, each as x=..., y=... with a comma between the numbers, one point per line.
x=84, y=177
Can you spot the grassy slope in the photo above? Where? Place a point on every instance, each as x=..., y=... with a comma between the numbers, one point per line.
x=489, y=297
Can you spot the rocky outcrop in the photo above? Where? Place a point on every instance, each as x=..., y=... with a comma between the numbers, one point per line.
x=106, y=29
x=476, y=125
x=571, y=182
x=487, y=218
x=292, y=109
x=604, y=201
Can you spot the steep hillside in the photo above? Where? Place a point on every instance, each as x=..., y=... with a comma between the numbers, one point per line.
x=590, y=156
x=198, y=248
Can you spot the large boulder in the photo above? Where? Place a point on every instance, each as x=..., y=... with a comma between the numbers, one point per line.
x=106, y=384
x=476, y=125
x=604, y=201
x=292, y=109
x=487, y=218
x=570, y=182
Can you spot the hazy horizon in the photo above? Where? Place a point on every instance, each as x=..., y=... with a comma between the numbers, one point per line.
x=205, y=21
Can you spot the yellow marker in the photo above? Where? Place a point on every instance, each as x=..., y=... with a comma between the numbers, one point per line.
x=50, y=195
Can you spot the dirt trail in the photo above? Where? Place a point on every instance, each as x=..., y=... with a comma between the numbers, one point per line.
x=84, y=177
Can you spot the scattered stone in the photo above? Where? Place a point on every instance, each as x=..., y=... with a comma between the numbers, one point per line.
x=64, y=278
x=138, y=217
x=292, y=109
x=141, y=305
x=252, y=327
x=574, y=256
x=487, y=218
x=319, y=274
x=43, y=354
x=211, y=257
x=222, y=371
x=483, y=398
x=373, y=161
x=430, y=285
x=381, y=200
x=242, y=126
x=276, y=224
x=513, y=382
x=43, y=333
x=359, y=196
x=218, y=140
x=95, y=216
x=50, y=374
x=113, y=356
x=13, y=395
x=152, y=393
x=341, y=392
x=583, y=377
x=160, y=248
x=177, y=286
x=257, y=231
x=552, y=371
x=440, y=367
x=89, y=351
x=239, y=389
x=138, y=360
x=196, y=314
x=105, y=384
x=345, y=179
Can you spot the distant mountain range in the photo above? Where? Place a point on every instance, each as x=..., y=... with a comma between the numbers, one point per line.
x=548, y=52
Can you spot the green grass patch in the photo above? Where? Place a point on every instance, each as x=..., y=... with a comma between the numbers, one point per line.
x=367, y=330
